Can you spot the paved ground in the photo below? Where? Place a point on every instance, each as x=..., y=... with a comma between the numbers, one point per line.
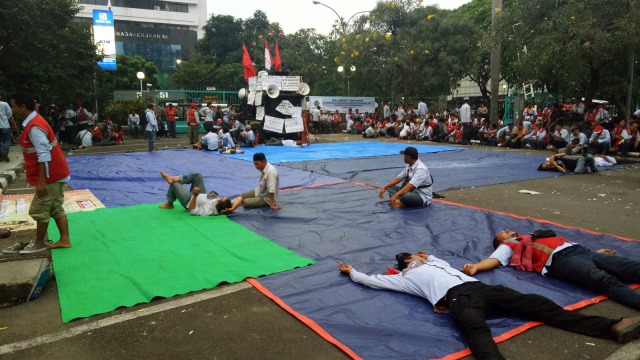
x=237, y=322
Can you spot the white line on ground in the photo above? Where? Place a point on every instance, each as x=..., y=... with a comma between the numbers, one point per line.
x=45, y=339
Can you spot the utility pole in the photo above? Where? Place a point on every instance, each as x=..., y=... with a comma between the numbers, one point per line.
x=496, y=54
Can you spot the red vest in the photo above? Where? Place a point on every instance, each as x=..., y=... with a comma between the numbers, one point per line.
x=191, y=117
x=58, y=168
x=82, y=117
x=542, y=249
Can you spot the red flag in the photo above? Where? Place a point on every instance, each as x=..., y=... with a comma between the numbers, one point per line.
x=278, y=61
x=246, y=63
x=268, y=59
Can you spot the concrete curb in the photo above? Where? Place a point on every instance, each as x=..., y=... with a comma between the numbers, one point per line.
x=630, y=351
x=10, y=175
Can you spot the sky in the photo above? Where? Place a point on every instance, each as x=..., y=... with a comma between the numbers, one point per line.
x=293, y=15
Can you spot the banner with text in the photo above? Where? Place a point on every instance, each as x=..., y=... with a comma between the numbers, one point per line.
x=105, y=38
x=343, y=104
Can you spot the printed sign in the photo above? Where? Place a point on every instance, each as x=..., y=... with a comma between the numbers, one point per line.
x=285, y=107
x=252, y=83
x=105, y=37
x=297, y=112
x=258, y=100
x=290, y=83
x=294, y=124
x=251, y=98
x=343, y=104
x=273, y=124
x=271, y=79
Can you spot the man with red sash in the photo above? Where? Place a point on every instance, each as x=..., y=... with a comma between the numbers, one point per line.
x=47, y=170
x=555, y=256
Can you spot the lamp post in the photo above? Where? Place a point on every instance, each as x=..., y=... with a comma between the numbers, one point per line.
x=140, y=76
x=341, y=70
x=343, y=24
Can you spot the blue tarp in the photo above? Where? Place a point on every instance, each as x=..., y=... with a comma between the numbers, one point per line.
x=352, y=224
x=281, y=154
x=450, y=169
x=134, y=178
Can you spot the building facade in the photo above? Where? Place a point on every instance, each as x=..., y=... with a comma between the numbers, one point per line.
x=162, y=32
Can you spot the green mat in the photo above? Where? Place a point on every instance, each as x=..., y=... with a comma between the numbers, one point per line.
x=129, y=255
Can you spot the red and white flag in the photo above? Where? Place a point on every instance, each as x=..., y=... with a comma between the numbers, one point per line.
x=268, y=59
x=109, y=4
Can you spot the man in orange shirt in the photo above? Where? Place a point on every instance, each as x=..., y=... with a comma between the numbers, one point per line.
x=170, y=112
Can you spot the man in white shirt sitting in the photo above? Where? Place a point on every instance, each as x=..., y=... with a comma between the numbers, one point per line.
x=197, y=201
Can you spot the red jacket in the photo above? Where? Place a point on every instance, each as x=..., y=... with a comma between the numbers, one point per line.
x=58, y=168
x=533, y=255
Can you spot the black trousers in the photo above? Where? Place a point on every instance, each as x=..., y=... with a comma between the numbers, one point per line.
x=470, y=302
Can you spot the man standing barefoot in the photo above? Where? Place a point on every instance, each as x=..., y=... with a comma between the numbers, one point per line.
x=47, y=170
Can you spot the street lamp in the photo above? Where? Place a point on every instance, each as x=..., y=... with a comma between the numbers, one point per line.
x=178, y=61
x=343, y=24
x=140, y=76
x=341, y=70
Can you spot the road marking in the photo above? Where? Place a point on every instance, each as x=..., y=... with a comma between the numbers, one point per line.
x=45, y=339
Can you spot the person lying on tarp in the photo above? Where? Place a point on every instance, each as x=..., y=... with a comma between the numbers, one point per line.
x=197, y=201
x=266, y=194
x=562, y=164
x=469, y=301
x=554, y=256
x=416, y=183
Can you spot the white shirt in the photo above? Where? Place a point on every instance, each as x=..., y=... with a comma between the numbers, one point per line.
x=205, y=206
x=152, y=123
x=269, y=184
x=422, y=108
x=420, y=176
x=134, y=119
x=465, y=113
x=289, y=143
x=562, y=133
x=315, y=114
x=5, y=114
x=211, y=140
x=582, y=139
x=429, y=279
x=386, y=112
x=604, y=163
x=86, y=136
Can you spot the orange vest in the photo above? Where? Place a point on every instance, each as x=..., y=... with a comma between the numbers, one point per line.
x=542, y=249
x=58, y=168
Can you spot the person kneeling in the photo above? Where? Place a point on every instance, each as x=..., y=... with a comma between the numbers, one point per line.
x=416, y=186
x=266, y=194
x=197, y=201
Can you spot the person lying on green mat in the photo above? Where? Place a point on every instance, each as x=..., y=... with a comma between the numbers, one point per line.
x=197, y=201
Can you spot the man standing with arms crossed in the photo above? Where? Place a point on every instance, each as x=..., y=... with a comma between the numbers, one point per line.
x=152, y=126
x=47, y=170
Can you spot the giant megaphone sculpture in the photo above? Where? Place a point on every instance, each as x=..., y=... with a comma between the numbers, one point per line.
x=303, y=89
x=242, y=93
x=273, y=91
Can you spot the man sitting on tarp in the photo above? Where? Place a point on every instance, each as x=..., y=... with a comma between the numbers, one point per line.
x=469, y=300
x=557, y=257
x=197, y=201
x=416, y=186
x=266, y=194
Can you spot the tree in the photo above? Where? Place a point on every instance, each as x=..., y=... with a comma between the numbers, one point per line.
x=43, y=51
x=197, y=71
x=576, y=47
x=222, y=39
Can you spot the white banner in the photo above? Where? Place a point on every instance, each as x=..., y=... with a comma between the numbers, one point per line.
x=105, y=37
x=293, y=125
x=273, y=124
x=343, y=104
x=290, y=83
x=252, y=83
x=258, y=99
x=271, y=79
x=251, y=98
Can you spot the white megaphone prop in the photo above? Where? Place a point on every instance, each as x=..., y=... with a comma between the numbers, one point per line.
x=273, y=91
x=242, y=93
x=303, y=89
